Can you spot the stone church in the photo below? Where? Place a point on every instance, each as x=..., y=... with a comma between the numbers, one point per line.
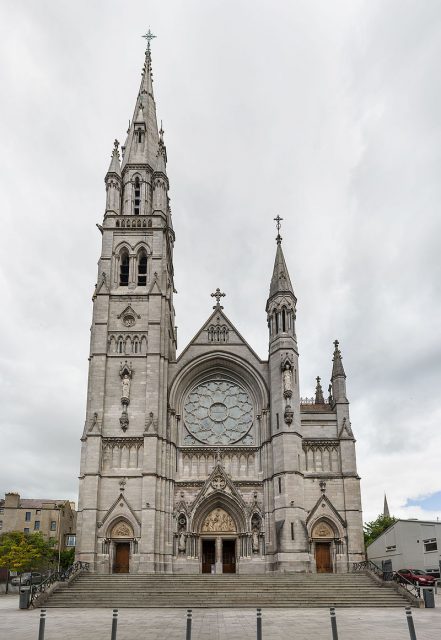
x=209, y=462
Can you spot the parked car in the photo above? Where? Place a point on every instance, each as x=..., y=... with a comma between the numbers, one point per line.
x=27, y=578
x=416, y=576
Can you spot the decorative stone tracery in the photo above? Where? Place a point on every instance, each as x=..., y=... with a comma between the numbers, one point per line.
x=218, y=412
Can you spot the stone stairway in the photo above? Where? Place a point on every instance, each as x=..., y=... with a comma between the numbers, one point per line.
x=287, y=590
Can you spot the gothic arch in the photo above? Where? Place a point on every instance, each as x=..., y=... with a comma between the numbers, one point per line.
x=223, y=501
x=329, y=523
x=208, y=365
x=125, y=520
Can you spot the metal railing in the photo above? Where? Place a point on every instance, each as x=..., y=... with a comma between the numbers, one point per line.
x=57, y=576
x=387, y=576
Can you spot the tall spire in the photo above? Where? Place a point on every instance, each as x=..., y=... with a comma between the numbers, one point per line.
x=280, y=281
x=142, y=136
x=386, y=512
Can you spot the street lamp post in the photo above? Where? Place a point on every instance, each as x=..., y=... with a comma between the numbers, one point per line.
x=59, y=507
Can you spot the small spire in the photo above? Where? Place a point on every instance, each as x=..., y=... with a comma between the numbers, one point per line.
x=218, y=295
x=386, y=512
x=319, y=399
x=161, y=135
x=115, y=166
x=337, y=366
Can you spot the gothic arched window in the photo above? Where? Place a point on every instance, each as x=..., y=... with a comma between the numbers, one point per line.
x=137, y=201
x=283, y=319
x=142, y=269
x=124, y=269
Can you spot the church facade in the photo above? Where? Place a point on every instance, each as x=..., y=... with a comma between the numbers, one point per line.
x=209, y=462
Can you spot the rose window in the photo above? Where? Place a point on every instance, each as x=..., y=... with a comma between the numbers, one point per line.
x=218, y=412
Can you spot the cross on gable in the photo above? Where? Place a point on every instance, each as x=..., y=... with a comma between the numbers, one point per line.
x=218, y=295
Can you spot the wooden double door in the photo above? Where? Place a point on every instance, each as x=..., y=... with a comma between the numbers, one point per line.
x=227, y=547
x=323, y=561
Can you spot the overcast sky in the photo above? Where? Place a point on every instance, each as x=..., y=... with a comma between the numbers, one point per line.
x=326, y=113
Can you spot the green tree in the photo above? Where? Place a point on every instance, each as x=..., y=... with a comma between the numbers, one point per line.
x=24, y=552
x=375, y=528
x=67, y=558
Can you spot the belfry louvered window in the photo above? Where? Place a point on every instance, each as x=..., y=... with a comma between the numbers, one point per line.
x=142, y=270
x=124, y=270
x=137, y=201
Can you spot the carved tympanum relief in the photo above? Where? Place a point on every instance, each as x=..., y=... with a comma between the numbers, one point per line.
x=218, y=412
x=122, y=530
x=218, y=521
x=322, y=530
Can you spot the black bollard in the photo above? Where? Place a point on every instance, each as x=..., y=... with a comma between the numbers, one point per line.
x=410, y=624
x=188, y=635
x=334, y=624
x=259, y=624
x=42, y=624
x=114, y=623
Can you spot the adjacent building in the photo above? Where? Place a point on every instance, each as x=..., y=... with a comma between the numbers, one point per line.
x=210, y=462
x=53, y=518
x=412, y=544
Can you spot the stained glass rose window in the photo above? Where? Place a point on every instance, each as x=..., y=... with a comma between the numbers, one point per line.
x=218, y=412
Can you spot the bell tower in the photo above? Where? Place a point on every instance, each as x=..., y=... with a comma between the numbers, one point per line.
x=133, y=339
x=285, y=480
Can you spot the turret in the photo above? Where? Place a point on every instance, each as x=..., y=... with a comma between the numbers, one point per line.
x=113, y=183
x=338, y=378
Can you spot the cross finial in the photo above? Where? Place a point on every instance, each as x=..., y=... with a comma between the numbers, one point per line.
x=278, y=220
x=218, y=295
x=149, y=37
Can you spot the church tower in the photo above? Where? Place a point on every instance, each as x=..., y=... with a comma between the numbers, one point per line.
x=284, y=479
x=133, y=339
x=210, y=461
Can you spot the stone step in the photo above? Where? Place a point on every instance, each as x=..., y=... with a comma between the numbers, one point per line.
x=288, y=590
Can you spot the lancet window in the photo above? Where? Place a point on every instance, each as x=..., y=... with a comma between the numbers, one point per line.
x=124, y=269
x=142, y=269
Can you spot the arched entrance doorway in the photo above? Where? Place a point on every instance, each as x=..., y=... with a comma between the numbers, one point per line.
x=324, y=537
x=121, y=537
x=218, y=542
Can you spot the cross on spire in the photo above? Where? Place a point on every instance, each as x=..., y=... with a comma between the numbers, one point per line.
x=149, y=37
x=278, y=220
x=218, y=295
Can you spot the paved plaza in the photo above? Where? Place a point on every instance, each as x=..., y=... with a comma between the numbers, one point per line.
x=217, y=624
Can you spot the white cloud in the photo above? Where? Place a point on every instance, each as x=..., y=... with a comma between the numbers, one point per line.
x=328, y=114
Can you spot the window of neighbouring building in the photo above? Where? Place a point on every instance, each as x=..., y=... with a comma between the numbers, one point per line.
x=28, y=516
x=2, y=510
x=1, y=525
x=37, y=525
x=70, y=541
x=26, y=530
x=53, y=525
x=430, y=544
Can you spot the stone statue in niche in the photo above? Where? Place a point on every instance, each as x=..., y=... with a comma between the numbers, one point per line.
x=125, y=389
x=255, y=539
x=287, y=381
x=255, y=533
x=182, y=542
